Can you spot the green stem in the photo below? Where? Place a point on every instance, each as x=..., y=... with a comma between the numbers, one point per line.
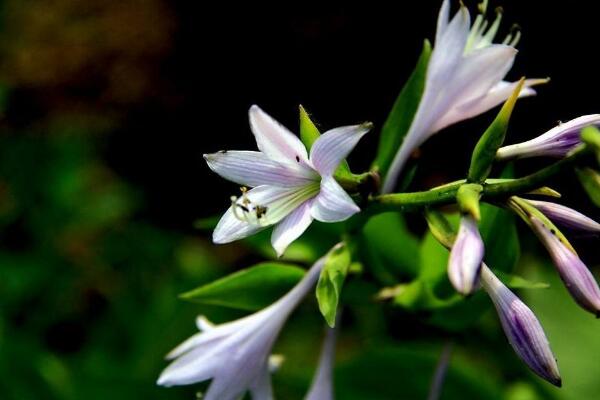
x=446, y=194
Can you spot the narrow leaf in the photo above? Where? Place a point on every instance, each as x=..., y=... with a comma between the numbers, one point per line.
x=403, y=111
x=249, y=289
x=331, y=280
x=492, y=139
x=590, y=180
x=440, y=228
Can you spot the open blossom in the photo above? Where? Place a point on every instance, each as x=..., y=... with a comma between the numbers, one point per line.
x=289, y=188
x=236, y=355
x=466, y=256
x=322, y=384
x=566, y=216
x=522, y=328
x=464, y=79
x=556, y=142
x=577, y=277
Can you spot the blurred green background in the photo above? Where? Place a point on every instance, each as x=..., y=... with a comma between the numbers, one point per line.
x=105, y=110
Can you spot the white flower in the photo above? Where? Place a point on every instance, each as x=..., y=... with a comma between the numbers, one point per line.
x=235, y=355
x=322, y=384
x=290, y=189
x=466, y=256
x=557, y=142
x=464, y=79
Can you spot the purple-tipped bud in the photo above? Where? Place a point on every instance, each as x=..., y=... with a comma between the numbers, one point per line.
x=576, y=276
x=522, y=329
x=466, y=256
x=566, y=216
x=557, y=142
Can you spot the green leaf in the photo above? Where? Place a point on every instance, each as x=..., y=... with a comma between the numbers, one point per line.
x=440, y=227
x=250, y=289
x=381, y=254
x=330, y=283
x=491, y=140
x=590, y=180
x=518, y=282
x=403, y=111
x=309, y=133
x=499, y=232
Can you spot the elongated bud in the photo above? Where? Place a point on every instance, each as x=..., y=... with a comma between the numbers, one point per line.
x=556, y=142
x=566, y=216
x=577, y=277
x=466, y=257
x=522, y=329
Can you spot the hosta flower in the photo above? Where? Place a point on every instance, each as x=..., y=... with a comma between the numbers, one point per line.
x=557, y=142
x=235, y=355
x=522, y=328
x=577, y=277
x=464, y=79
x=322, y=384
x=289, y=188
x=466, y=257
x=566, y=216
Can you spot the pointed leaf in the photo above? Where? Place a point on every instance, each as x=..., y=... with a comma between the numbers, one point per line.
x=491, y=140
x=249, y=289
x=403, y=111
x=331, y=280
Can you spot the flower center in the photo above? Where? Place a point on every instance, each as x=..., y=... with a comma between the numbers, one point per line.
x=247, y=211
x=481, y=36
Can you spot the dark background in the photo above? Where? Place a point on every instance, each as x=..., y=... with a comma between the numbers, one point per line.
x=114, y=102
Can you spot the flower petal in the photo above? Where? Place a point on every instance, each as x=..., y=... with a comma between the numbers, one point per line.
x=275, y=204
x=523, y=330
x=262, y=388
x=466, y=257
x=566, y=216
x=334, y=146
x=442, y=21
x=291, y=227
x=332, y=204
x=494, y=97
x=321, y=387
x=253, y=168
x=275, y=140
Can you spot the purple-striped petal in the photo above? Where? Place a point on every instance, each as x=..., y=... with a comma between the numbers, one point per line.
x=577, y=278
x=556, y=142
x=332, y=204
x=332, y=147
x=275, y=140
x=253, y=168
x=466, y=257
x=291, y=227
x=566, y=216
x=523, y=330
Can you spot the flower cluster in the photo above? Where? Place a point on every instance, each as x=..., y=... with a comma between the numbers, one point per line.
x=287, y=186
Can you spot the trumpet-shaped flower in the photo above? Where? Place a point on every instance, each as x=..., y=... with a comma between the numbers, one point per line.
x=235, y=355
x=464, y=79
x=466, y=256
x=522, y=328
x=576, y=276
x=556, y=142
x=289, y=188
x=322, y=384
x=566, y=216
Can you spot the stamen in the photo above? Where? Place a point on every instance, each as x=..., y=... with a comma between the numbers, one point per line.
x=244, y=210
x=491, y=33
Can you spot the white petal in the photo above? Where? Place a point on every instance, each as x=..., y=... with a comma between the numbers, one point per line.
x=494, y=97
x=334, y=146
x=275, y=140
x=194, y=366
x=278, y=203
x=230, y=228
x=253, y=168
x=321, y=387
x=332, y=204
x=442, y=22
x=262, y=389
x=291, y=227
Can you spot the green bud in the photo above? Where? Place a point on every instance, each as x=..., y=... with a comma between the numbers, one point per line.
x=467, y=197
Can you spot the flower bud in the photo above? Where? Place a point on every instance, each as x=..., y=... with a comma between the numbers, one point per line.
x=466, y=257
x=566, y=216
x=522, y=328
